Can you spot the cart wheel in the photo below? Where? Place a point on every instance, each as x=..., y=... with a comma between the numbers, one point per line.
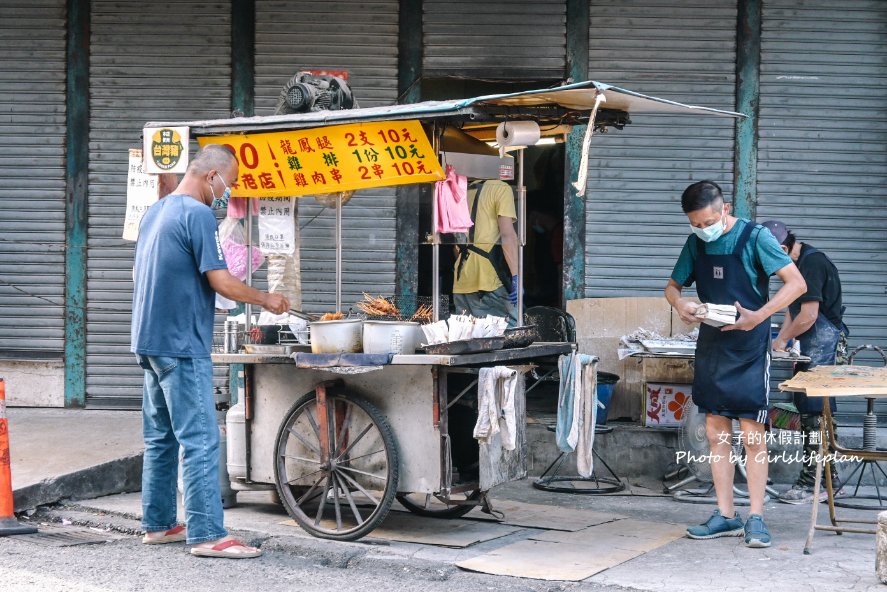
x=347, y=496
x=426, y=504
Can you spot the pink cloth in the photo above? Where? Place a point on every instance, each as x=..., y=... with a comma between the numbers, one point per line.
x=451, y=201
x=237, y=207
x=235, y=258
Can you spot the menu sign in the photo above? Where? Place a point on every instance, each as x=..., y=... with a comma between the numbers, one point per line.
x=331, y=159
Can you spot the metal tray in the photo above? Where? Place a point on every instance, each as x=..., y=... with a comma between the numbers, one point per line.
x=465, y=346
x=669, y=346
x=266, y=348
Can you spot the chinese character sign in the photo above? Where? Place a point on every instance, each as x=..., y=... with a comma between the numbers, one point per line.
x=277, y=231
x=142, y=190
x=331, y=159
x=166, y=149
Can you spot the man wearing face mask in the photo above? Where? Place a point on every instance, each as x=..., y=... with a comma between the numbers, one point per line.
x=178, y=267
x=816, y=321
x=731, y=260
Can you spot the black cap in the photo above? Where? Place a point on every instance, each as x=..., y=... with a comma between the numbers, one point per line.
x=778, y=229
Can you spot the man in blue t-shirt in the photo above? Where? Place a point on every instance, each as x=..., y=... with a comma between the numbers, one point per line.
x=179, y=267
x=731, y=260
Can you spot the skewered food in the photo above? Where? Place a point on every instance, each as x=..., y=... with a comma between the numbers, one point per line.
x=378, y=306
x=332, y=316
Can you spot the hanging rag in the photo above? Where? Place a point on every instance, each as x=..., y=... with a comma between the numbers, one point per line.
x=582, y=177
x=237, y=207
x=495, y=406
x=577, y=408
x=451, y=201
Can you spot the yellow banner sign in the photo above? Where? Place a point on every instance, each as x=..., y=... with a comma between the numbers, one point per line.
x=331, y=159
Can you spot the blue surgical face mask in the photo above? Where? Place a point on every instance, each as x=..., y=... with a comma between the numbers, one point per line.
x=220, y=202
x=711, y=233
x=538, y=229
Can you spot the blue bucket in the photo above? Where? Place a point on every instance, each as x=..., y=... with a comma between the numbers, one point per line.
x=606, y=382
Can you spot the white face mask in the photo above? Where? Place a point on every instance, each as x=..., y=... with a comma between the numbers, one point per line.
x=711, y=233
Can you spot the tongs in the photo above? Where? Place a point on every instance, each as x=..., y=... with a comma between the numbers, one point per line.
x=304, y=315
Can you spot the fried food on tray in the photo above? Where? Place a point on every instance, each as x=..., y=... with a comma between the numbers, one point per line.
x=332, y=316
x=381, y=307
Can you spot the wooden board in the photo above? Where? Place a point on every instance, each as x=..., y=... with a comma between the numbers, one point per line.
x=574, y=556
x=546, y=517
x=839, y=381
x=410, y=528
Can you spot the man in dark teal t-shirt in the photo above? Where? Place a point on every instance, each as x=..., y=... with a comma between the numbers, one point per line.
x=730, y=260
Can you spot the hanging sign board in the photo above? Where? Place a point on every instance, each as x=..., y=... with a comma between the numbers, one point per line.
x=142, y=190
x=331, y=159
x=277, y=230
x=166, y=149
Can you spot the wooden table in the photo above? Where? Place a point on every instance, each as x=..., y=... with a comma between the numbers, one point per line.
x=837, y=381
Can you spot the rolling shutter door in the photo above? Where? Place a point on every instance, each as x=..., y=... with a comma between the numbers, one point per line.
x=520, y=39
x=822, y=157
x=32, y=166
x=362, y=40
x=157, y=61
x=683, y=51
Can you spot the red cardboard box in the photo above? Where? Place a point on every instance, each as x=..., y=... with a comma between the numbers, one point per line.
x=664, y=404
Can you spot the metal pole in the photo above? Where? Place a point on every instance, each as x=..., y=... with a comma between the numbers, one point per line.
x=339, y=252
x=435, y=243
x=248, y=308
x=522, y=235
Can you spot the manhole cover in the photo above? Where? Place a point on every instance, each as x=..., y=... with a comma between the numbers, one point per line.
x=66, y=536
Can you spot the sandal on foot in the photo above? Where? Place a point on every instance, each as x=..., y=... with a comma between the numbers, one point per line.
x=176, y=534
x=224, y=549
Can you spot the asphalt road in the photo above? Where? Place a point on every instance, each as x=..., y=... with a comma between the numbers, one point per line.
x=124, y=564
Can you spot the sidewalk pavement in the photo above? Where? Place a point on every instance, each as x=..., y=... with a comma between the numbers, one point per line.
x=75, y=454
x=838, y=562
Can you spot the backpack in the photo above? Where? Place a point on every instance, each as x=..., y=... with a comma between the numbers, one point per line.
x=496, y=256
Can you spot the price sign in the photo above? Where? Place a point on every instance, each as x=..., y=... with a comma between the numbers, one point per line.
x=331, y=159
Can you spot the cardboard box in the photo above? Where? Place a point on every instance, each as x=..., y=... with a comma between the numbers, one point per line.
x=664, y=403
x=601, y=323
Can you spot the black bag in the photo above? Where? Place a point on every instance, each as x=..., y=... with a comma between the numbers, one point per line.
x=496, y=256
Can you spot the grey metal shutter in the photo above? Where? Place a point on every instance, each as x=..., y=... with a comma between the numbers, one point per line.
x=521, y=39
x=156, y=61
x=682, y=50
x=823, y=130
x=361, y=39
x=32, y=167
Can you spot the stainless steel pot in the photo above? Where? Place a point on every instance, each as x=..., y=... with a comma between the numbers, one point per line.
x=390, y=337
x=336, y=337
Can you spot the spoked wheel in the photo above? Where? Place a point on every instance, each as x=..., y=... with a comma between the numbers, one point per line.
x=338, y=483
x=426, y=504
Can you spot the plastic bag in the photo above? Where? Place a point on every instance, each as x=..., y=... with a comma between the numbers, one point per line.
x=233, y=244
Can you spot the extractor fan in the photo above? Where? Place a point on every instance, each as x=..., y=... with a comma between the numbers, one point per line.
x=307, y=92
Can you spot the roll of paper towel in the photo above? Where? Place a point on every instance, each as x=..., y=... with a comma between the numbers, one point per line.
x=516, y=133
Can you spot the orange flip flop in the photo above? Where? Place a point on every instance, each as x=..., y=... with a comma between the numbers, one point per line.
x=222, y=550
x=176, y=534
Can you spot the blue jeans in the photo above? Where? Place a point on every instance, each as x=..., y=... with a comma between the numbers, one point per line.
x=178, y=409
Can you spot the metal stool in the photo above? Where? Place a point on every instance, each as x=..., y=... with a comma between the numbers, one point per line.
x=870, y=444
x=601, y=485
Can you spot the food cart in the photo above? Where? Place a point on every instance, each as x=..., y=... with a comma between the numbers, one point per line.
x=340, y=438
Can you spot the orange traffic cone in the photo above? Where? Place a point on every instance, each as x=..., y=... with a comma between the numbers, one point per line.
x=8, y=524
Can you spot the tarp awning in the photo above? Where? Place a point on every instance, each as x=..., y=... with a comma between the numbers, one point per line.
x=578, y=97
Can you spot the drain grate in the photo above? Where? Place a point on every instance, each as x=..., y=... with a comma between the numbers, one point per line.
x=66, y=536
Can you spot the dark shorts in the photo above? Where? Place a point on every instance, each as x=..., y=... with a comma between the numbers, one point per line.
x=759, y=416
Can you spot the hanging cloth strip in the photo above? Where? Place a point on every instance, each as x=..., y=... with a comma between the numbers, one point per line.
x=582, y=179
x=577, y=408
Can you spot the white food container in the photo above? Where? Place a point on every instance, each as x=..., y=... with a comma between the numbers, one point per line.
x=390, y=337
x=336, y=337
